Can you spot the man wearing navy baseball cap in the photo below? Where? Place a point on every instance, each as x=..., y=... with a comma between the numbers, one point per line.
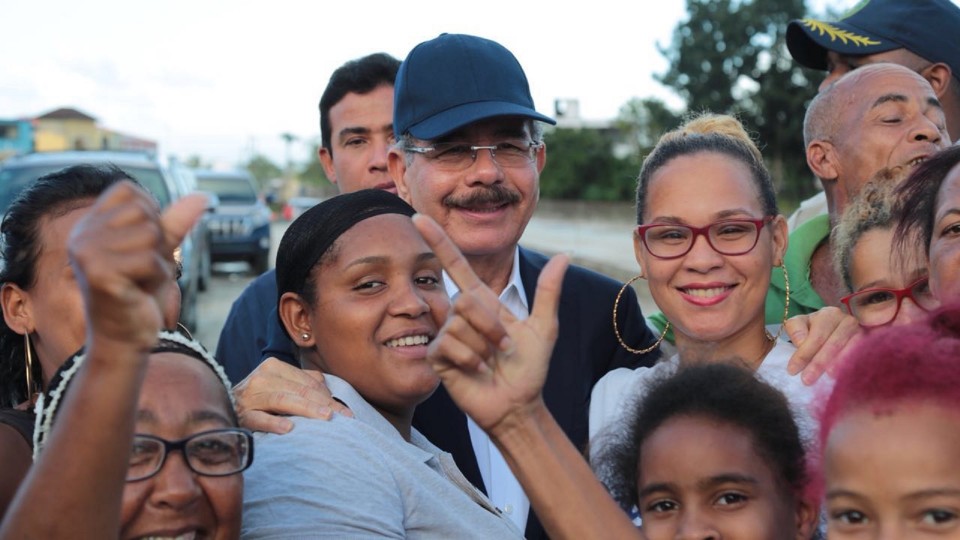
x=918, y=34
x=469, y=154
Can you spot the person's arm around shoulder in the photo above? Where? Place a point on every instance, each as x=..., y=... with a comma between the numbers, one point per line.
x=494, y=367
x=276, y=389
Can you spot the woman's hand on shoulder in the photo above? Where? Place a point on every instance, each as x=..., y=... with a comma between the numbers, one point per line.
x=820, y=338
x=276, y=389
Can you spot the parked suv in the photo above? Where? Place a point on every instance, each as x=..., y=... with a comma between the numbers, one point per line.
x=240, y=225
x=18, y=172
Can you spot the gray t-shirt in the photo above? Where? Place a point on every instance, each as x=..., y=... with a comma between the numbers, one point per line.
x=357, y=477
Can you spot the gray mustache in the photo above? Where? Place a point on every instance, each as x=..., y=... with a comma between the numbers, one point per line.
x=496, y=194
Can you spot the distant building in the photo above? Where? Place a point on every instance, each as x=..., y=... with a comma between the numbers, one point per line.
x=114, y=140
x=567, y=114
x=16, y=137
x=67, y=129
x=70, y=129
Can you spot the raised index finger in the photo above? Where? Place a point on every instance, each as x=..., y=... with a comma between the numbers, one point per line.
x=456, y=265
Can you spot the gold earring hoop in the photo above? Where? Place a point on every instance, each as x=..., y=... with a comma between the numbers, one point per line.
x=183, y=330
x=32, y=386
x=616, y=304
x=786, y=303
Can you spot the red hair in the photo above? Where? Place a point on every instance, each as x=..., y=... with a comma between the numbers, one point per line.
x=891, y=366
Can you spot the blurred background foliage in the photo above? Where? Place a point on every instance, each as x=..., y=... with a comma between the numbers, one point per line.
x=727, y=57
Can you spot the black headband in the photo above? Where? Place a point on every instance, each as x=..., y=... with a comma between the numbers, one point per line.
x=310, y=236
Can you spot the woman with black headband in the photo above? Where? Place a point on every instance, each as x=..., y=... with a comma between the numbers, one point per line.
x=160, y=394
x=362, y=296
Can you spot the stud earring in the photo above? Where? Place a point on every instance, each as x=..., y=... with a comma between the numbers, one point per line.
x=304, y=336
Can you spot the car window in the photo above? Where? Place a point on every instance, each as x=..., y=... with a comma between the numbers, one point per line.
x=14, y=179
x=230, y=189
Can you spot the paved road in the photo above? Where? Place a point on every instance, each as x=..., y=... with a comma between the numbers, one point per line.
x=229, y=280
x=604, y=243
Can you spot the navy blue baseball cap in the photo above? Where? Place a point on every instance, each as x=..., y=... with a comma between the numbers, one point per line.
x=455, y=80
x=928, y=28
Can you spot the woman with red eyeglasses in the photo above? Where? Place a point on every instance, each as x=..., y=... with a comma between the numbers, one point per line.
x=888, y=284
x=709, y=235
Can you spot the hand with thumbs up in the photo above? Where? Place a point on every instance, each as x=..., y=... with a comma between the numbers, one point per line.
x=122, y=255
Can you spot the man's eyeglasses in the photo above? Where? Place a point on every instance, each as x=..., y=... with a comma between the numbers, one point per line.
x=218, y=452
x=727, y=237
x=457, y=156
x=880, y=305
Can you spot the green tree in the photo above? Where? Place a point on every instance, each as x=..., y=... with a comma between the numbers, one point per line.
x=582, y=165
x=263, y=170
x=730, y=56
x=311, y=173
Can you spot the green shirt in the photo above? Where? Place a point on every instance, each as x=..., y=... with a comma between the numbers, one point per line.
x=803, y=298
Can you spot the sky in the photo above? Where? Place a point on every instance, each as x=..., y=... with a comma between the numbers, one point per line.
x=223, y=80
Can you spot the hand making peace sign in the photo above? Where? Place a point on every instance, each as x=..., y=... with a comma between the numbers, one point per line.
x=492, y=364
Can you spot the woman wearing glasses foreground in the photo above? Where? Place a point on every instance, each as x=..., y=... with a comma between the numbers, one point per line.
x=362, y=295
x=709, y=236
x=166, y=398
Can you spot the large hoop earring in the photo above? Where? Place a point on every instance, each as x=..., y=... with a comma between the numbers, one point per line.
x=32, y=386
x=786, y=303
x=616, y=304
x=184, y=330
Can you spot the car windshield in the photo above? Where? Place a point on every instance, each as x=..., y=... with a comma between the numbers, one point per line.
x=230, y=189
x=14, y=179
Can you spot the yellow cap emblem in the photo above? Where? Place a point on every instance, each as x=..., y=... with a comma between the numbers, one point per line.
x=838, y=33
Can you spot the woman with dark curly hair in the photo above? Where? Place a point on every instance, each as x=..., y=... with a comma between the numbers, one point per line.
x=711, y=448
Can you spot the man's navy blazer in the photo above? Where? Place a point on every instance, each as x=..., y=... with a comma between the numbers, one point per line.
x=586, y=350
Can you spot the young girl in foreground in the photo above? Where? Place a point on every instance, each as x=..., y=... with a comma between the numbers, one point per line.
x=890, y=434
x=711, y=450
